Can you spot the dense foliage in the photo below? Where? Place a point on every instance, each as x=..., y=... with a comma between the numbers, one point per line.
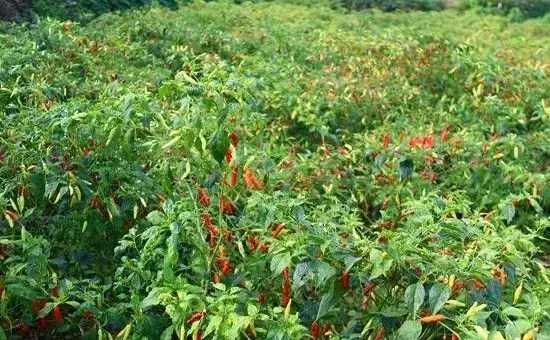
x=274, y=171
x=82, y=10
x=519, y=8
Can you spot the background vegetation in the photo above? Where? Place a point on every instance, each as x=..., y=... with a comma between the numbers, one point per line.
x=275, y=171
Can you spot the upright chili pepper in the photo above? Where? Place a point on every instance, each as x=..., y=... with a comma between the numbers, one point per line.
x=57, y=315
x=253, y=243
x=380, y=334
x=233, y=177
x=344, y=280
x=226, y=206
x=43, y=323
x=261, y=299
x=55, y=292
x=315, y=330
x=286, y=287
x=326, y=330
x=251, y=180
x=234, y=139
x=204, y=199
x=369, y=288
x=228, y=155
x=286, y=275
x=275, y=233
x=23, y=328
x=386, y=140
x=216, y=278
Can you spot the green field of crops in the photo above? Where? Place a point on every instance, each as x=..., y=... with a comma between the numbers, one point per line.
x=275, y=171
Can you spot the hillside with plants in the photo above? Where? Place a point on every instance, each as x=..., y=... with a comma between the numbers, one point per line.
x=275, y=171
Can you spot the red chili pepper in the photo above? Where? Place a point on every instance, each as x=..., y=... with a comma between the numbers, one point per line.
x=57, y=315
x=454, y=337
x=261, y=299
x=226, y=206
x=380, y=334
x=55, y=292
x=43, y=323
x=234, y=139
x=195, y=317
x=199, y=335
x=228, y=236
x=88, y=315
x=253, y=243
x=23, y=328
x=251, y=180
x=477, y=284
x=264, y=247
x=275, y=233
x=14, y=217
x=228, y=155
x=344, y=280
x=234, y=177
x=204, y=199
x=37, y=305
x=216, y=278
x=366, y=303
x=207, y=220
x=286, y=164
x=386, y=140
x=286, y=275
x=327, y=330
x=225, y=266
x=315, y=330
x=369, y=288
x=286, y=294
x=2, y=289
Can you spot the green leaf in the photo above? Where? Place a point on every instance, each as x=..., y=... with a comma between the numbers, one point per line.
x=439, y=294
x=513, y=311
x=381, y=264
x=219, y=145
x=279, y=262
x=349, y=261
x=414, y=296
x=22, y=291
x=508, y=212
x=155, y=217
x=151, y=299
x=324, y=305
x=301, y=274
x=410, y=330
x=167, y=334
x=324, y=272
x=406, y=168
x=46, y=310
